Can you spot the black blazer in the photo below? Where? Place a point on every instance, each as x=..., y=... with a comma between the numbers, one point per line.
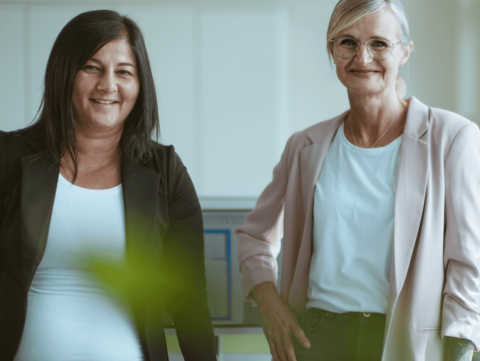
x=160, y=191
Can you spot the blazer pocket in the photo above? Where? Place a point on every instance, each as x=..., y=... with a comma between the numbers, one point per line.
x=428, y=330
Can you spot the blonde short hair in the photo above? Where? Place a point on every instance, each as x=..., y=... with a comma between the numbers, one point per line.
x=348, y=12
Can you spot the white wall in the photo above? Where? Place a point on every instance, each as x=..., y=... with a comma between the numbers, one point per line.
x=221, y=72
x=235, y=78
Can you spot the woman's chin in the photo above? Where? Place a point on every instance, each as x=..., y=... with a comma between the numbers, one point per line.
x=366, y=90
x=101, y=124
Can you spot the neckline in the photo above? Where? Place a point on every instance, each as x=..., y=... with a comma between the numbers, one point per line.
x=387, y=147
x=107, y=191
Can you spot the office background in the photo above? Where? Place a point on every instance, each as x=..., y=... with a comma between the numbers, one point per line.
x=235, y=78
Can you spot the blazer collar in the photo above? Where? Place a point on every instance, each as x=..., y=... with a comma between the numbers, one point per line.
x=416, y=125
x=321, y=136
x=312, y=156
x=324, y=131
x=39, y=184
x=417, y=118
x=410, y=191
x=140, y=184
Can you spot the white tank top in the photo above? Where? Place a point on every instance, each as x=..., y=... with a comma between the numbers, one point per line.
x=69, y=316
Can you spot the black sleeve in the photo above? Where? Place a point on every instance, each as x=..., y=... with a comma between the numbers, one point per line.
x=184, y=263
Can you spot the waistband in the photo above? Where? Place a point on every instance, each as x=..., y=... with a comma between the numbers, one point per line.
x=381, y=317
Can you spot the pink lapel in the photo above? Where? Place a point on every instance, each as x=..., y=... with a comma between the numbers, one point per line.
x=409, y=197
x=410, y=193
x=312, y=157
x=311, y=161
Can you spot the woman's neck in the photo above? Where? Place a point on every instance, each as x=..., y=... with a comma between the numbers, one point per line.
x=98, y=159
x=94, y=148
x=371, y=116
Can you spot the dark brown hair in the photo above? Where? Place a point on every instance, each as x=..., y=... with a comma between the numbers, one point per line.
x=82, y=37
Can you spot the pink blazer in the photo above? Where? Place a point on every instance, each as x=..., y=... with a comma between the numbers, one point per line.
x=435, y=275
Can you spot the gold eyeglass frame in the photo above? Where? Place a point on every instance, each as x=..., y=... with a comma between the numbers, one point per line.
x=358, y=47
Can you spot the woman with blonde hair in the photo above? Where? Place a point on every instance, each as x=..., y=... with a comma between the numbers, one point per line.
x=378, y=209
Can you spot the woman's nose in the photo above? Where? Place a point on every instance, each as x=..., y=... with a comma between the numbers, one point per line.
x=363, y=55
x=107, y=83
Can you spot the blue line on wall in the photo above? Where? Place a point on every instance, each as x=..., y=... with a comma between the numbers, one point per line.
x=229, y=272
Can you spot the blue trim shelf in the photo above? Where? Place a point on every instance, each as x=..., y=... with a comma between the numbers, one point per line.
x=227, y=257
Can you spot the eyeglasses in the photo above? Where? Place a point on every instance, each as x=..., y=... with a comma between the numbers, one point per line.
x=347, y=48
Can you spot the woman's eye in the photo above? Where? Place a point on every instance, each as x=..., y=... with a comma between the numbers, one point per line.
x=378, y=44
x=91, y=67
x=348, y=42
x=124, y=72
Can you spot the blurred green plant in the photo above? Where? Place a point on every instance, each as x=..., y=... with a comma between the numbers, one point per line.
x=134, y=279
x=144, y=280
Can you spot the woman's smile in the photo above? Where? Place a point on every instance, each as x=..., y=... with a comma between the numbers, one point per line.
x=103, y=101
x=363, y=73
x=106, y=87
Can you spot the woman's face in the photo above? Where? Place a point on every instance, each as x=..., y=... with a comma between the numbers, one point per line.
x=106, y=87
x=362, y=74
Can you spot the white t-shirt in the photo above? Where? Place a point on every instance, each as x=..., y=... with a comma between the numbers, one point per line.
x=353, y=227
x=69, y=316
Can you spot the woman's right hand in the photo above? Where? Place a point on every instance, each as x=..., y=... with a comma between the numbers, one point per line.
x=278, y=322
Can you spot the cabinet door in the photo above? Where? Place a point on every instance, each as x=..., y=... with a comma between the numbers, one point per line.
x=242, y=89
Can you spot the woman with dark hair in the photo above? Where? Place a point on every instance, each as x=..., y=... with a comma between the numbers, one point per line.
x=82, y=180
